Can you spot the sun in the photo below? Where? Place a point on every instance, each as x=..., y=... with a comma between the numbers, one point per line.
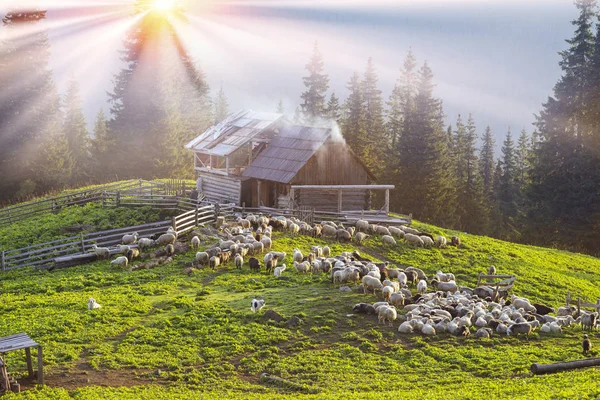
x=164, y=6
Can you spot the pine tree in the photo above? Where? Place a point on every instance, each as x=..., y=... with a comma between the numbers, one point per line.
x=486, y=162
x=522, y=155
x=424, y=177
x=334, y=111
x=75, y=129
x=353, y=124
x=316, y=83
x=59, y=165
x=298, y=119
x=221, y=106
x=508, y=195
x=280, y=108
x=375, y=142
x=29, y=102
x=459, y=139
x=102, y=149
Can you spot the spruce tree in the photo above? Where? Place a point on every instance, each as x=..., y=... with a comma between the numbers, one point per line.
x=102, y=149
x=298, y=119
x=75, y=129
x=29, y=101
x=375, y=141
x=59, y=165
x=334, y=111
x=486, y=162
x=508, y=195
x=522, y=155
x=459, y=139
x=280, y=109
x=316, y=83
x=221, y=106
x=353, y=124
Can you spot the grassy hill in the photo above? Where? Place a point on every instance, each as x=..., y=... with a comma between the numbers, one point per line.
x=161, y=334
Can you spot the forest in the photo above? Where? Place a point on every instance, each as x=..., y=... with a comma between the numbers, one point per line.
x=541, y=188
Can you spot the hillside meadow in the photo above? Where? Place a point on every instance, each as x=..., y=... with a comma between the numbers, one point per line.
x=161, y=334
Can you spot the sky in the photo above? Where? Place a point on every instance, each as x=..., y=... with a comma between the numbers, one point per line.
x=497, y=60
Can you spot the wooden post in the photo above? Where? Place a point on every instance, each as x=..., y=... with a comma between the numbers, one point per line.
x=244, y=210
x=292, y=199
x=210, y=161
x=387, y=201
x=3, y=261
x=227, y=165
x=40, y=366
x=340, y=201
x=29, y=363
x=82, y=243
x=118, y=198
x=9, y=217
x=259, y=193
x=370, y=203
x=568, y=298
x=598, y=305
x=196, y=214
x=174, y=223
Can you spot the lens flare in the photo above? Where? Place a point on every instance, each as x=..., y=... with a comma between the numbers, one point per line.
x=164, y=6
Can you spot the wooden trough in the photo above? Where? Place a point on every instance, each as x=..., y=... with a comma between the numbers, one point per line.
x=22, y=341
x=540, y=369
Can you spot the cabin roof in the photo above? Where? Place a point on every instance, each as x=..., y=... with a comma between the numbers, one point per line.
x=287, y=153
x=233, y=132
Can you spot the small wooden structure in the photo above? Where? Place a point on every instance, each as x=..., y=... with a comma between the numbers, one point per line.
x=540, y=369
x=504, y=282
x=581, y=304
x=22, y=341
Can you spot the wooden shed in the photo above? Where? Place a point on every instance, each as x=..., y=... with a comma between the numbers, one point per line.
x=255, y=159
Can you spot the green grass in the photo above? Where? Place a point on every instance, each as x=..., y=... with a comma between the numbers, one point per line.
x=195, y=337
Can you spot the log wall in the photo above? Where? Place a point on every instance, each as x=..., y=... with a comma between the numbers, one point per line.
x=220, y=188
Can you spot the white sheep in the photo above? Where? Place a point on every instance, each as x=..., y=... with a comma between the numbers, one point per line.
x=279, y=270
x=360, y=237
x=326, y=252
x=387, y=313
x=145, y=242
x=402, y=279
x=428, y=329
x=121, y=261
x=92, y=305
x=414, y=240
x=172, y=231
x=387, y=292
x=302, y=267
x=202, y=258
x=124, y=249
x=370, y=282
x=195, y=242
x=167, y=238
x=298, y=255
x=441, y=242
x=427, y=241
x=294, y=229
x=129, y=239
x=405, y=327
x=397, y=299
x=388, y=240
x=362, y=225
x=396, y=232
x=422, y=286
x=267, y=242
x=328, y=231
x=256, y=305
x=382, y=230
x=102, y=252
x=238, y=261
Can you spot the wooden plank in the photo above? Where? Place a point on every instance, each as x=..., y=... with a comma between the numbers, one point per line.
x=29, y=363
x=540, y=369
x=40, y=366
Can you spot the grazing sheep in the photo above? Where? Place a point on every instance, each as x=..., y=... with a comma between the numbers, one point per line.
x=371, y=282
x=492, y=270
x=254, y=264
x=364, y=308
x=405, y=327
x=422, y=286
x=129, y=239
x=343, y=235
x=396, y=232
x=256, y=305
x=387, y=292
x=428, y=329
x=279, y=270
x=145, y=242
x=587, y=345
x=244, y=223
x=441, y=242
x=411, y=277
x=267, y=242
x=388, y=240
x=172, y=231
x=202, y=258
x=414, y=240
x=450, y=286
x=382, y=231
x=455, y=241
x=294, y=229
x=360, y=237
x=272, y=263
x=120, y=261
x=566, y=310
x=123, y=249
x=258, y=247
x=326, y=252
x=92, y=305
x=101, y=252
x=427, y=241
x=167, y=238
x=195, y=243
x=484, y=333
x=419, y=272
x=317, y=251
x=329, y=231
x=132, y=254
x=442, y=277
x=520, y=302
x=302, y=267
x=238, y=261
x=298, y=255
x=520, y=328
x=214, y=262
x=362, y=226
x=170, y=249
x=397, y=299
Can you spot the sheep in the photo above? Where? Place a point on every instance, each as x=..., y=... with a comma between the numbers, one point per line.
x=589, y=320
x=428, y=329
x=405, y=327
x=244, y=223
x=343, y=235
x=382, y=231
x=272, y=263
x=411, y=277
x=254, y=264
x=238, y=261
x=120, y=261
x=519, y=302
x=92, y=305
x=419, y=272
x=279, y=270
x=133, y=253
x=329, y=231
x=202, y=258
x=214, y=262
x=170, y=249
x=442, y=277
x=362, y=225
x=387, y=292
x=364, y=308
x=256, y=305
x=566, y=310
x=484, y=333
x=294, y=229
x=388, y=240
x=167, y=238
x=492, y=270
x=455, y=241
x=360, y=237
x=123, y=249
x=172, y=231
x=422, y=286
x=388, y=313
x=450, y=286
x=302, y=267
x=396, y=299
x=129, y=239
x=414, y=240
x=267, y=242
x=298, y=255
x=396, y=232
x=101, y=252
x=258, y=247
x=317, y=250
x=520, y=328
x=371, y=282
x=586, y=345
x=441, y=242
x=427, y=241
x=326, y=252
x=145, y=242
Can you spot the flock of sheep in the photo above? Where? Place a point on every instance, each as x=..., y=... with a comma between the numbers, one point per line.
x=447, y=308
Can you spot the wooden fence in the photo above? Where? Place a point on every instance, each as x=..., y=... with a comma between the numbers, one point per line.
x=582, y=304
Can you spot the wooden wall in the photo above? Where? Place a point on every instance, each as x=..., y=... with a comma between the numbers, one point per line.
x=327, y=200
x=333, y=164
x=220, y=188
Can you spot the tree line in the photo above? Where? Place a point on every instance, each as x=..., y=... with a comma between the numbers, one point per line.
x=541, y=189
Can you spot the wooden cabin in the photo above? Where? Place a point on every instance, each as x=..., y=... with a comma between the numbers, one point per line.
x=255, y=159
